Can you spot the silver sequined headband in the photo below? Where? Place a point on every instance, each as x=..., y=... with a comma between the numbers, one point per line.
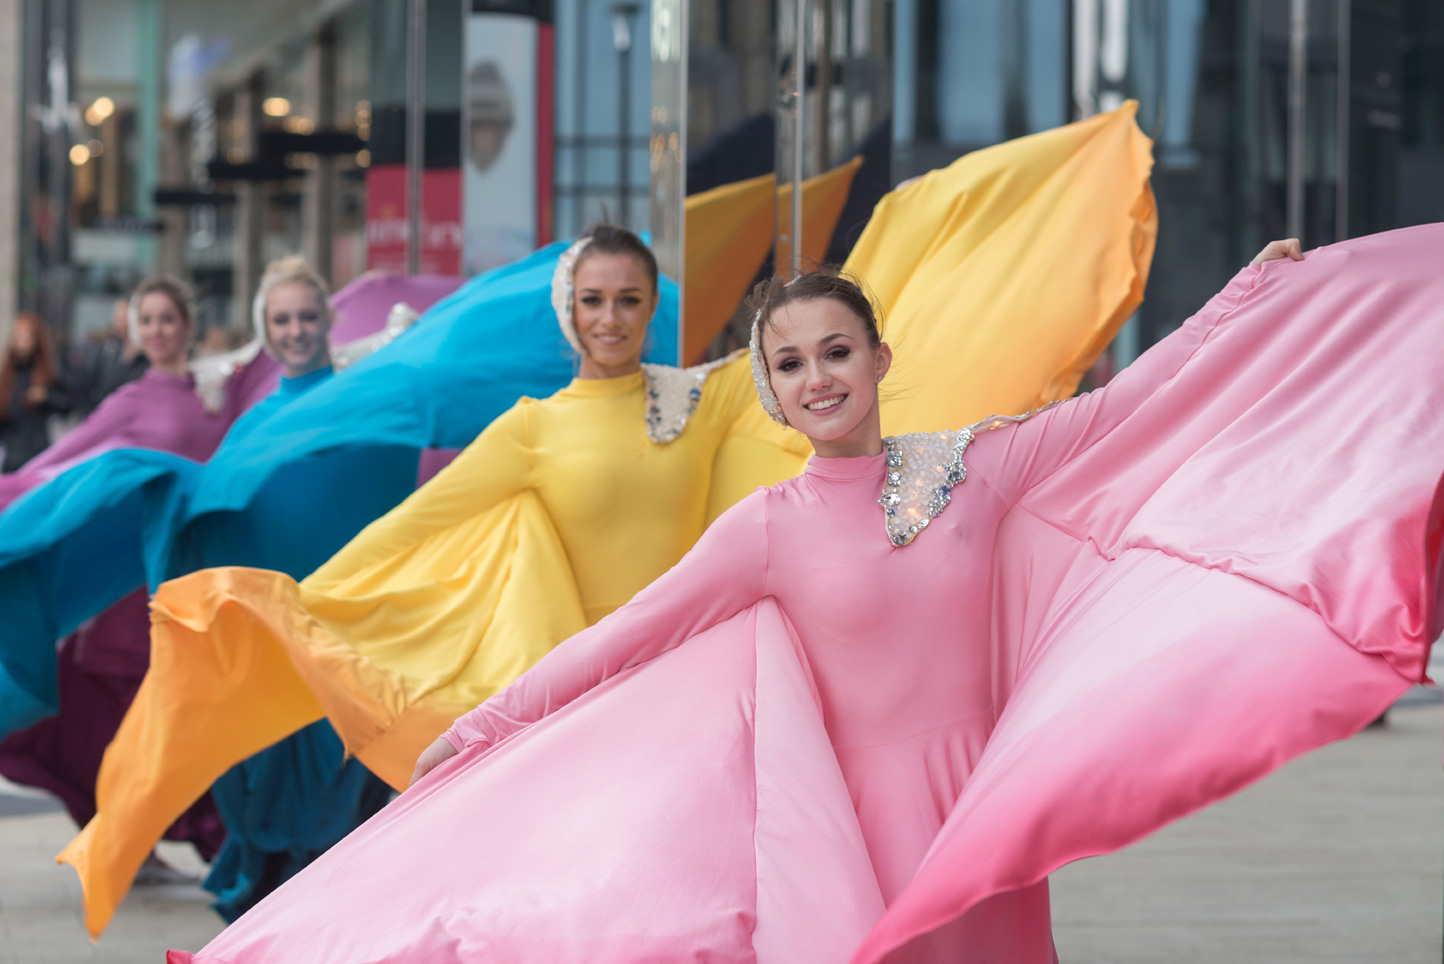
x=760, y=376
x=563, y=281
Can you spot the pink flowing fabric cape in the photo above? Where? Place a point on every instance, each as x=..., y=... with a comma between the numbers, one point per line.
x=1224, y=559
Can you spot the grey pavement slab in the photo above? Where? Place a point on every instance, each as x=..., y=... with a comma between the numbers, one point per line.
x=41, y=919
x=1339, y=857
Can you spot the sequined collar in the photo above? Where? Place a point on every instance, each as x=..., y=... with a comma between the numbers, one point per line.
x=923, y=468
x=673, y=395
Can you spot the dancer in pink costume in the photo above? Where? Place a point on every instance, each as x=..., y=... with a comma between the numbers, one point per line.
x=888, y=725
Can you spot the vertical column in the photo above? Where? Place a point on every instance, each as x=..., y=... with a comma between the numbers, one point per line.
x=175, y=169
x=905, y=84
x=318, y=193
x=1298, y=79
x=415, y=130
x=1345, y=90
x=792, y=137
x=149, y=62
x=250, y=206
x=667, y=148
x=57, y=284
x=12, y=18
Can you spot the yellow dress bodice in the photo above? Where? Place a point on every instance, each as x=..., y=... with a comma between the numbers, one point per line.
x=624, y=508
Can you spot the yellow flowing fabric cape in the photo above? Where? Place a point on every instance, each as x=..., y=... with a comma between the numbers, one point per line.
x=1001, y=278
x=729, y=233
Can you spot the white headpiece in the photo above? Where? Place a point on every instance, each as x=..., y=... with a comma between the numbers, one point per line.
x=760, y=376
x=563, y=281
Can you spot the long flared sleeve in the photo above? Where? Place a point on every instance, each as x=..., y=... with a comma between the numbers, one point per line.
x=497, y=466
x=1014, y=460
x=1240, y=564
x=725, y=572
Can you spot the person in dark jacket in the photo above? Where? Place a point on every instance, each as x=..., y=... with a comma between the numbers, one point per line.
x=110, y=364
x=30, y=392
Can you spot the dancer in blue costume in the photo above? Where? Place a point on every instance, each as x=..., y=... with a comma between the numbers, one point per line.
x=288, y=804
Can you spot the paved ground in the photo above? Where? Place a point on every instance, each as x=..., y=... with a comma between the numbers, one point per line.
x=1339, y=857
x=40, y=910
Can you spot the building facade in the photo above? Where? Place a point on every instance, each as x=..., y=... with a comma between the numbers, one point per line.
x=204, y=139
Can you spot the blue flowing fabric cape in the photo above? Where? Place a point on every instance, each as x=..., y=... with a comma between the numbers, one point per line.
x=295, y=480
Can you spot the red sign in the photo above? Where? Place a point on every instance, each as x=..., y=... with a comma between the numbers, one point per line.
x=387, y=225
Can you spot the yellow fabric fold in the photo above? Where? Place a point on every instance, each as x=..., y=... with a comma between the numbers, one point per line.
x=729, y=233
x=1002, y=277
x=823, y=198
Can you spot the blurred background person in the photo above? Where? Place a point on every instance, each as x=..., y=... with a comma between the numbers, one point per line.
x=112, y=362
x=101, y=664
x=30, y=392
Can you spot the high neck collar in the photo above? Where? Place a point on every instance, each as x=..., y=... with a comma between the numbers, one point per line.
x=157, y=377
x=302, y=383
x=845, y=469
x=605, y=387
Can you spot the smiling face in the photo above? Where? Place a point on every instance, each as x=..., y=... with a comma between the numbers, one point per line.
x=824, y=372
x=613, y=299
x=163, y=331
x=297, y=324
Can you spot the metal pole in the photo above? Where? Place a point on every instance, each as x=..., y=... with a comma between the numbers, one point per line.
x=1298, y=75
x=622, y=40
x=415, y=130
x=1346, y=81
x=579, y=130
x=624, y=122
x=799, y=131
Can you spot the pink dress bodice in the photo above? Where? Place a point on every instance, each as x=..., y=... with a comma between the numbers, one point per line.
x=871, y=615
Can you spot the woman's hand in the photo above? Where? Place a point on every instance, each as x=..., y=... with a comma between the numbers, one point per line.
x=431, y=758
x=1274, y=250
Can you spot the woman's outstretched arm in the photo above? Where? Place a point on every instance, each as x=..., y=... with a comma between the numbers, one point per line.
x=1015, y=459
x=724, y=573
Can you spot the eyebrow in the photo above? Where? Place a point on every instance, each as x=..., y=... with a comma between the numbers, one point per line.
x=828, y=338
x=599, y=290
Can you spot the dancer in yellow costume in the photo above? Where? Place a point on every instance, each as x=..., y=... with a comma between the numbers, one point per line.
x=1002, y=277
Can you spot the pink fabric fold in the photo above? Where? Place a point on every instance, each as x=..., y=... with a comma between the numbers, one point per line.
x=777, y=872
